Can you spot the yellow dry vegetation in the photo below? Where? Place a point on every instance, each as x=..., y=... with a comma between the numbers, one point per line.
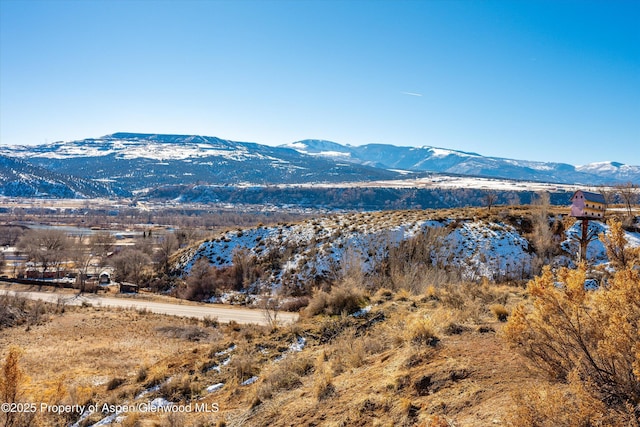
x=586, y=341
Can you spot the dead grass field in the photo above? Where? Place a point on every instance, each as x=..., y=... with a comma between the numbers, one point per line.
x=379, y=369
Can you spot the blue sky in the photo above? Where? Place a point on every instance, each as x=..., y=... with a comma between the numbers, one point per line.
x=535, y=80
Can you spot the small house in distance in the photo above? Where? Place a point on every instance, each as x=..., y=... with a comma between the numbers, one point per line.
x=104, y=278
x=587, y=205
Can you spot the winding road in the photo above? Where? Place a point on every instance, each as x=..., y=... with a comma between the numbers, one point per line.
x=199, y=311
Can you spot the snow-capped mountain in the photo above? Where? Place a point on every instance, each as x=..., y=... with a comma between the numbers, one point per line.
x=615, y=170
x=443, y=160
x=142, y=161
x=137, y=162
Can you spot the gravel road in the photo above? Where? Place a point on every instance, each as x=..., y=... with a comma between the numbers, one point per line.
x=224, y=314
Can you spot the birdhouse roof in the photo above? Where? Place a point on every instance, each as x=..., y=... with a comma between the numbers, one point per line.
x=592, y=197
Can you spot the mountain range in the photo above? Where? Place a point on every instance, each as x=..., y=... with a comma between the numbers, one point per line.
x=443, y=160
x=121, y=164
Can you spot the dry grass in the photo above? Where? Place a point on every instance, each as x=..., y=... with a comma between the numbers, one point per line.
x=379, y=369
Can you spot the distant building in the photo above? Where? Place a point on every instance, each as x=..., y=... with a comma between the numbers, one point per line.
x=104, y=278
x=127, y=288
x=587, y=205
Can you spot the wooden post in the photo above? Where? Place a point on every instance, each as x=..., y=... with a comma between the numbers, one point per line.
x=584, y=239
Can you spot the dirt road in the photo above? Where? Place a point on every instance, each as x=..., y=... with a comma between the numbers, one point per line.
x=223, y=314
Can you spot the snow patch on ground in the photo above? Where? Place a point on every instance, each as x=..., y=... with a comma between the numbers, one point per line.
x=596, y=252
x=250, y=381
x=362, y=312
x=215, y=387
x=491, y=250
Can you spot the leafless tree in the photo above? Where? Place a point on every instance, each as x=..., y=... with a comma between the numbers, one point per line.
x=168, y=244
x=46, y=248
x=200, y=283
x=609, y=195
x=490, y=198
x=10, y=235
x=542, y=235
x=129, y=265
x=102, y=245
x=270, y=309
x=629, y=194
x=82, y=256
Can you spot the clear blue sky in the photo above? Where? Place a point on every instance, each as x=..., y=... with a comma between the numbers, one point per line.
x=536, y=80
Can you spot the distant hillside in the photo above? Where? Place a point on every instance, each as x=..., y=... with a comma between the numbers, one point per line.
x=351, y=197
x=19, y=178
x=299, y=256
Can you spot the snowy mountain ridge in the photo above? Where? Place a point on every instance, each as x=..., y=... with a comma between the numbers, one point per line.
x=132, y=146
x=444, y=160
x=138, y=162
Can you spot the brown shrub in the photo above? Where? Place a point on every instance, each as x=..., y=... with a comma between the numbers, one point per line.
x=12, y=382
x=323, y=387
x=500, y=312
x=553, y=406
x=421, y=331
x=285, y=376
x=179, y=389
x=295, y=304
x=114, y=383
x=341, y=299
x=351, y=351
x=244, y=365
x=587, y=338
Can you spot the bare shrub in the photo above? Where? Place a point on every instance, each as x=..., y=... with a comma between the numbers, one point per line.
x=285, y=376
x=142, y=374
x=500, y=312
x=330, y=328
x=295, y=304
x=200, y=284
x=114, y=383
x=553, y=406
x=421, y=331
x=189, y=333
x=587, y=338
x=179, y=389
x=323, y=387
x=413, y=264
x=347, y=353
x=620, y=254
x=343, y=298
x=270, y=310
x=16, y=310
x=541, y=236
x=12, y=382
x=244, y=365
